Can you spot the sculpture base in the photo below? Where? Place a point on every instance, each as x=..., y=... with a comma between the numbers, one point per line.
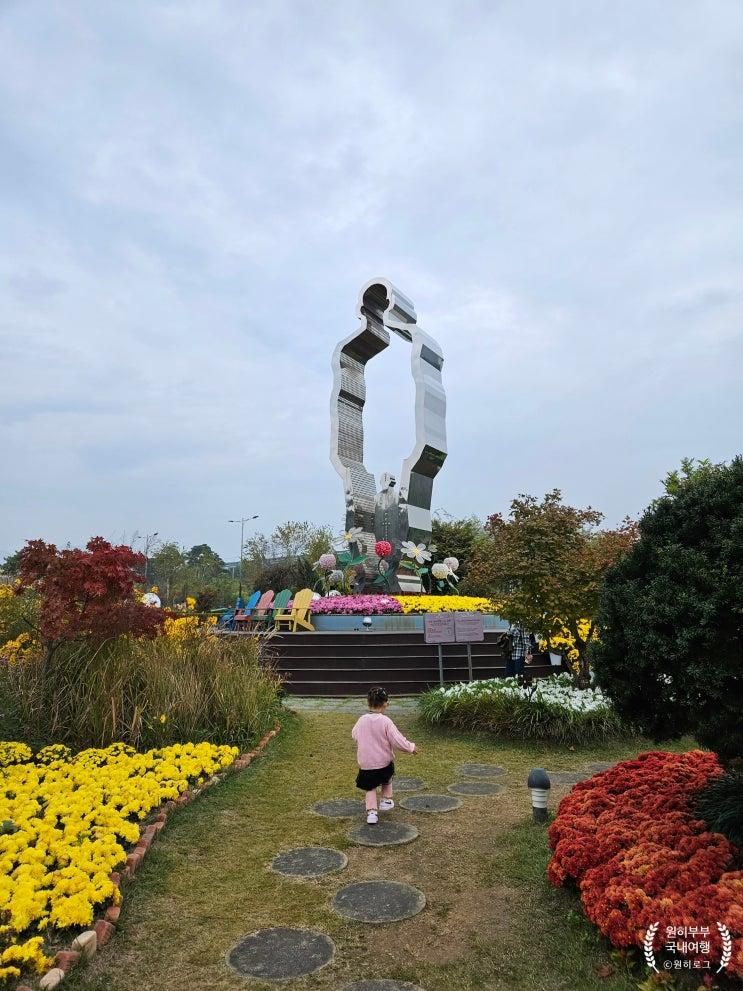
x=409, y=584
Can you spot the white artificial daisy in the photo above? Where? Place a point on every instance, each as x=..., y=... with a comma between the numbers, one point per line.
x=349, y=536
x=415, y=551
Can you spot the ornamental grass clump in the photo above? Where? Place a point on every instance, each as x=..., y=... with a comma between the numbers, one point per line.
x=550, y=710
x=631, y=841
x=144, y=692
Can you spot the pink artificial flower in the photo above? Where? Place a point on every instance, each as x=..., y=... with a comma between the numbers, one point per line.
x=383, y=548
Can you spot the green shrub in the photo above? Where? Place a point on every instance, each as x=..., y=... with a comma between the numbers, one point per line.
x=144, y=692
x=551, y=710
x=17, y=613
x=720, y=805
x=294, y=574
x=670, y=652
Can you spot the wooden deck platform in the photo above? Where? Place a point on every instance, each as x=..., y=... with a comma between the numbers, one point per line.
x=341, y=664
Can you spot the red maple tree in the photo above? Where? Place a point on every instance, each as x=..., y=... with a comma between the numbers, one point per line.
x=87, y=593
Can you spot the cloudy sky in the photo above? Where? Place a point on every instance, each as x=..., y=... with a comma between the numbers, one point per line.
x=193, y=192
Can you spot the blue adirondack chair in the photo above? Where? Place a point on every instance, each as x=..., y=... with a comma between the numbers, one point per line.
x=227, y=620
x=245, y=616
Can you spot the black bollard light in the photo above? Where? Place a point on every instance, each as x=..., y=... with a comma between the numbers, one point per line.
x=538, y=784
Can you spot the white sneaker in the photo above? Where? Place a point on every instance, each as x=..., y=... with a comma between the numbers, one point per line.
x=372, y=817
x=386, y=804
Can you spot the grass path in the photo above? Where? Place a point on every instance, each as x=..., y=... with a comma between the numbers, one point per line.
x=491, y=921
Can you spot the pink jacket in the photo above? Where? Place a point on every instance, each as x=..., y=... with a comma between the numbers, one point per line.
x=377, y=738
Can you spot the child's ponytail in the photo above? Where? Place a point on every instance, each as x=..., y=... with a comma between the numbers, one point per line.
x=377, y=697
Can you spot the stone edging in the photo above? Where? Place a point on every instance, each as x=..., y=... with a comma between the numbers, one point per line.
x=87, y=943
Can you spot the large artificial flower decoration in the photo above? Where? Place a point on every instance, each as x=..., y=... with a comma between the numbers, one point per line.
x=452, y=563
x=417, y=552
x=351, y=536
x=383, y=548
x=327, y=562
x=440, y=571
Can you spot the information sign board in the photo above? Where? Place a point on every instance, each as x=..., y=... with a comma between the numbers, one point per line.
x=469, y=627
x=439, y=627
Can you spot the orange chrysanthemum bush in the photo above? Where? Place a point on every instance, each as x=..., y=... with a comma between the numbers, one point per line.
x=638, y=856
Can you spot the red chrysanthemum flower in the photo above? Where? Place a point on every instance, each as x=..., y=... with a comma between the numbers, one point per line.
x=628, y=840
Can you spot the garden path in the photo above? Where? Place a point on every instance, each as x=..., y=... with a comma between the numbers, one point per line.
x=490, y=920
x=403, y=706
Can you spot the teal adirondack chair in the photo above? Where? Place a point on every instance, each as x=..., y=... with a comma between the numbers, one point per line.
x=278, y=606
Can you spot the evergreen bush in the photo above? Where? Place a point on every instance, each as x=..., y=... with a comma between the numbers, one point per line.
x=670, y=653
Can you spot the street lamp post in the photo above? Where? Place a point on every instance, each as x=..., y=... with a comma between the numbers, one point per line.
x=242, y=521
x=149, y=537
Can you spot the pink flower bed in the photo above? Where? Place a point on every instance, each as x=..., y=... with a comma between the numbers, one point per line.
x=355, y=605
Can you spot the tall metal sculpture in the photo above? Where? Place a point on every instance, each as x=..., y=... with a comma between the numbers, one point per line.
x=398, y=511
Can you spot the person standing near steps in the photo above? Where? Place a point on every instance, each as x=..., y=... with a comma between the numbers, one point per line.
x=377, y=738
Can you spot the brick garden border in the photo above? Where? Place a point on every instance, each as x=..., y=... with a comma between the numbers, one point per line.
x=87, y=943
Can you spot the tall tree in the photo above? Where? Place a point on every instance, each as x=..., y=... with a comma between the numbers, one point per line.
x=544, y=566
x=691, y=472
x=87, y=594
x=256, y=553
x=167, y=568
x=320, y=542
x=204, y=562
x=670, y=654
x=285, y=558
x=11, y=565
x=457, y=538
x=291, y=539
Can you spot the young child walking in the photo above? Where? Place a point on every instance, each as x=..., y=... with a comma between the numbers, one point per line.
x=377, y=738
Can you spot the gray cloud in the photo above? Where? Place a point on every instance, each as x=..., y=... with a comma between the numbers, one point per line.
x=191, y=195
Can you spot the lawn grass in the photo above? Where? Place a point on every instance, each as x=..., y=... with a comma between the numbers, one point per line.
x=491, y=920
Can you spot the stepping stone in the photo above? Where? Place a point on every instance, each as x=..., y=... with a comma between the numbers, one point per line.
x=281, y=953
x=430, y=803
x=378, y=901
x=600, y=765
x=475, y=788
x=480, y=770
x=408, y=784
x=381, y=985
x=339, y=808
x=567, y=777
x=309, y=861
x=383, y=834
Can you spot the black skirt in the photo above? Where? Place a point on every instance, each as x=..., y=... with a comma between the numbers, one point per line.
x=369, y=780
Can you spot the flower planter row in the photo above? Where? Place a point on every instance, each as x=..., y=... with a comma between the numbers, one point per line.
x=87, y=943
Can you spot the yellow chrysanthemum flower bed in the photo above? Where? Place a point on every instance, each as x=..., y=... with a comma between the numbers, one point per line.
x=182, y=627
x=15, y=651
x=64, y=822
x=444, y=603
x=565, y=643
